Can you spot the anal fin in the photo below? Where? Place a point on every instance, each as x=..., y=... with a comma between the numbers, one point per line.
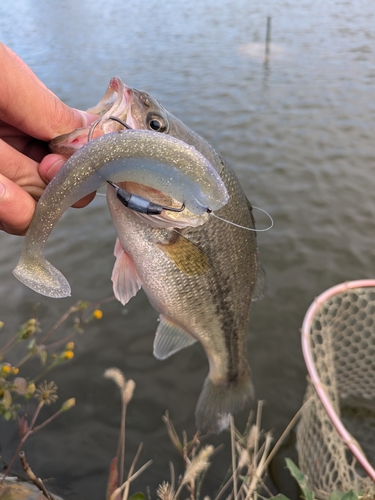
x=170, y=339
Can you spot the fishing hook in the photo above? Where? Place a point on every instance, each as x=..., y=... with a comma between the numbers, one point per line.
x=95, y=123
x=139, y=204
x=124, y=124
x=92, y=128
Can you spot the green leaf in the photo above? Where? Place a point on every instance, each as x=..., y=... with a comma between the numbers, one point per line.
x=43, y=356
x=301, y=479
x=7, y=399
x=31, y=344
x=280, y=496
x=351, y=495
x=296, y=473
x=339, y=495
x=138, y=496
x=336, y=495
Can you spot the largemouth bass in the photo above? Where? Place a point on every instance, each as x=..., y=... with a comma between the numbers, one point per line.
x=141, y=156
x=203, y=298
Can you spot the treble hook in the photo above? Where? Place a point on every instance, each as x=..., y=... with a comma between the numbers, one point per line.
x=139, y=204
x=95, y=123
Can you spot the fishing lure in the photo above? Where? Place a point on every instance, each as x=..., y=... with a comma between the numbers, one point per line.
x=145, y=206
x=139, y=204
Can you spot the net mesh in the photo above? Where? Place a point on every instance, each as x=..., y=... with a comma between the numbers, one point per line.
x=341, y=344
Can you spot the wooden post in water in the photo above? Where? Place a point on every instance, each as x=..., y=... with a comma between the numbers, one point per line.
x=268, y=40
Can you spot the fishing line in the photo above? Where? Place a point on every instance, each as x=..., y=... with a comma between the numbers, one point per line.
x=209, y=211
x=95, y=123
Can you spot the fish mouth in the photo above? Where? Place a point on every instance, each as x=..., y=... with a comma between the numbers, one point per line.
x=113, y=111
x=116, y=102
x=167, y=218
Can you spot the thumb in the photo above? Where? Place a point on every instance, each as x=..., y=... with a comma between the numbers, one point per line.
x=16, y=207
x=29, y=106
x=49, y=166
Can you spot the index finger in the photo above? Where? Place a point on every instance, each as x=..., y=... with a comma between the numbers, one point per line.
x=16, y=207
x=28, y=105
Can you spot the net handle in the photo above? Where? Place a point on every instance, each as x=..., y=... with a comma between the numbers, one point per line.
x=348, y=439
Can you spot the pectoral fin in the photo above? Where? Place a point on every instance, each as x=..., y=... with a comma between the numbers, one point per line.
x=126, y=281
x=170, y=338
x=187, y=256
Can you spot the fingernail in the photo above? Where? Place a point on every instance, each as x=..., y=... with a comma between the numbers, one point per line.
x=2, y=190
x=54, y=168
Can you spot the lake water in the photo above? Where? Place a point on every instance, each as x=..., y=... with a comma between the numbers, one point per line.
x=299, y=133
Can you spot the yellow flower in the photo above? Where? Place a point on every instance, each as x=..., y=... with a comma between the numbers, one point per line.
x=68, y=404
x=30, y=389
x=98, y=314
x=15, y=370
x=68, y=355
x=69, y=346
x=6, y=369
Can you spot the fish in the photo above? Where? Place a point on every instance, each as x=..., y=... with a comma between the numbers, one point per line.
x=200, y=273
x=139, y=156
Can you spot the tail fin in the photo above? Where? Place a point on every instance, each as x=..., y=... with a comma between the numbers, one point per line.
x=217, y=402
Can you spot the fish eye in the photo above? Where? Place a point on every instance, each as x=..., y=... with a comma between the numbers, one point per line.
x=157, y=123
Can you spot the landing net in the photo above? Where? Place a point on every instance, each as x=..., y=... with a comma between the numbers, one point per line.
x=336, y=434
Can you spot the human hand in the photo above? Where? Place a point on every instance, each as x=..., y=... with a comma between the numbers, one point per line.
x=30, y=116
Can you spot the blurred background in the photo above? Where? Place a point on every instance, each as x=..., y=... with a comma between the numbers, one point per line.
x=298, y=129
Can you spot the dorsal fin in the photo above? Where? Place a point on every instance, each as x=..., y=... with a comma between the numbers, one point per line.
x=260, y=286
x=250, y=208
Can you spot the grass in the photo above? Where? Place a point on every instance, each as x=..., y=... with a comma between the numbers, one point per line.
x=23, y=400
